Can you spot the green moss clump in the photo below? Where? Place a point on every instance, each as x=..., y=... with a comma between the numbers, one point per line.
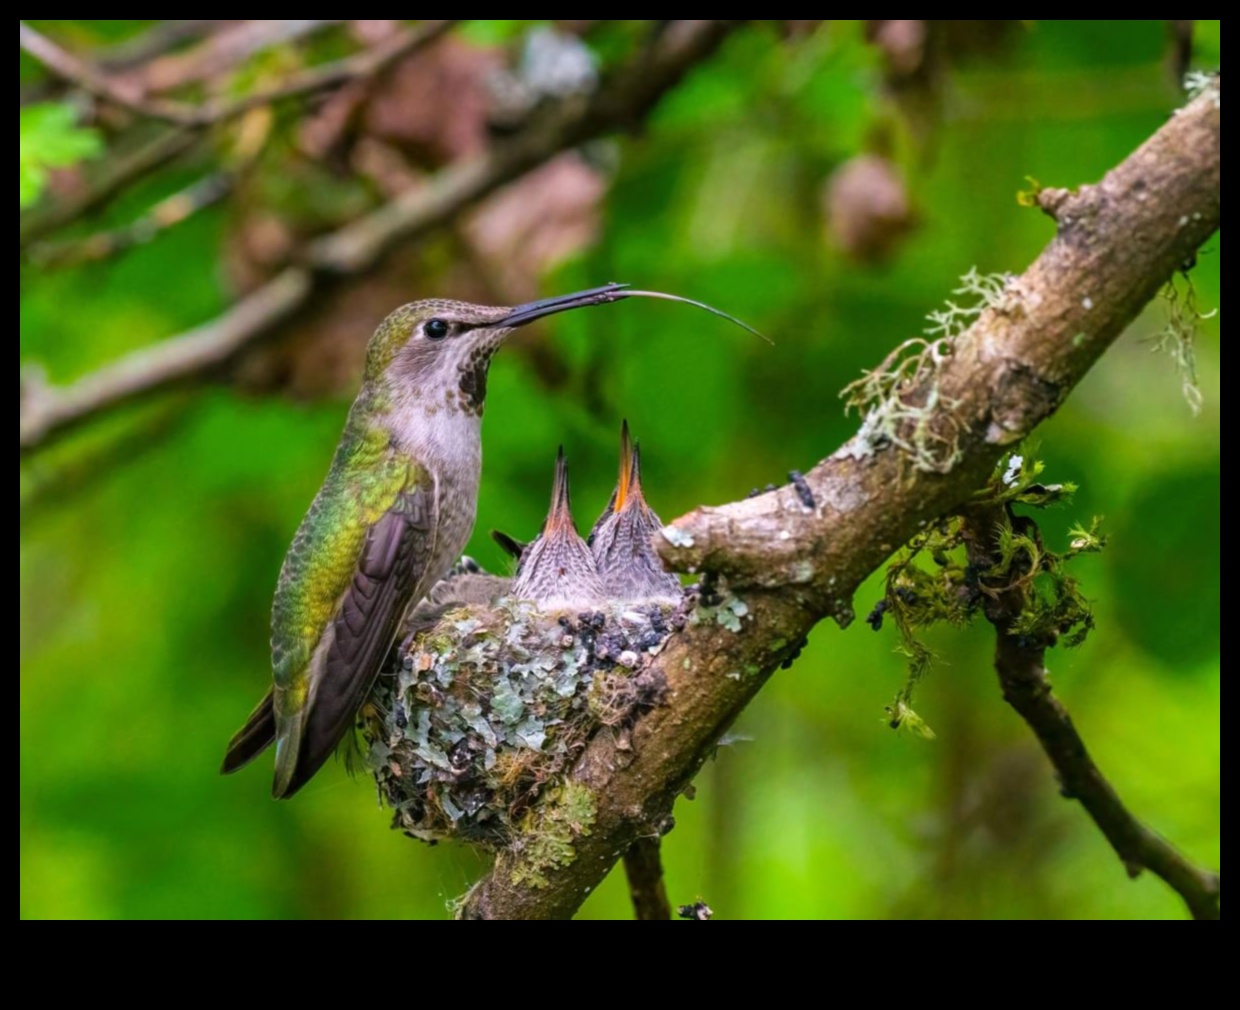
x=546, y=836
x=931, y=581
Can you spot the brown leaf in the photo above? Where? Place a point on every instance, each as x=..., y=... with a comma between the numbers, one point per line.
x=434, y=106
x=535, y=223
x=903, y=43
x=867, y=208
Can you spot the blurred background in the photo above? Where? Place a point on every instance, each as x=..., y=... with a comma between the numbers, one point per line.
x=826, y=181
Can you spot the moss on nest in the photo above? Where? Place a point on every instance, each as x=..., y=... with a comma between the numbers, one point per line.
x=470, y=734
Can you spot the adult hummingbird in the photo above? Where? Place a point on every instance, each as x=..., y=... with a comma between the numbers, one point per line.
x=393, y=514
x=621, y=540
x=557, y=570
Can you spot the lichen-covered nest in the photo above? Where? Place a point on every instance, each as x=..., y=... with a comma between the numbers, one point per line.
x=491, y=703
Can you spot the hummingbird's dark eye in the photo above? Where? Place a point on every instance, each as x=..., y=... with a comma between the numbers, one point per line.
x=436, y=329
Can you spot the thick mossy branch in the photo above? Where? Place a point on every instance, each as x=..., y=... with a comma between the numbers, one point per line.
x=797, y=554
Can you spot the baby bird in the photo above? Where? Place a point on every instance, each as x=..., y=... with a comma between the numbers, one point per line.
x=466, y=585
x=557, y=570
x=621, y=539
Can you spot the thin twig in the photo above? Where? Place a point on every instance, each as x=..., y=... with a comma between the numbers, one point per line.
x=159, y=39
x=359, y=66
x=155, y=42
x=644, y=869
x=229, y=47
x=166, y=365
x=118, y=174
x=361, y=245
x=79, y=72
x=190, y=121
x=167, y=213
x=128, y=95
x=1027, y=688
x=786, y=565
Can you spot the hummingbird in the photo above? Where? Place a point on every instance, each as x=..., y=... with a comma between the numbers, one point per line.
x=557, y=570
x=393, y=514
x=621, y=540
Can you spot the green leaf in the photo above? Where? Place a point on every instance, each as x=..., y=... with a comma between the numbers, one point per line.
x=494, y=33
x=50, y=138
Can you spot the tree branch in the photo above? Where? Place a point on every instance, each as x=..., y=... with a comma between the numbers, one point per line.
x=644, y=868
x=201, y=351
x=128, y=93
x=1027, y=688
x=221, y=51
x=157, y=40
x=798, y=554
x=118, y=173
x=80, y=73
x=359, y=66
x=190, y=120
x=356, y=248
x=167, y=213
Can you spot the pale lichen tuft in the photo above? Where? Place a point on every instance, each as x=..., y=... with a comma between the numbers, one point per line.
x=899, y=400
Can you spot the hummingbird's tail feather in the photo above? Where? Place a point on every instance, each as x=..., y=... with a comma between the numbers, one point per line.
x=288, y=777
x=258, y=733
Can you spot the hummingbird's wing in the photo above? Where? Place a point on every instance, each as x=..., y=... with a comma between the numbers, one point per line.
x=251, y=739
x=389, y=574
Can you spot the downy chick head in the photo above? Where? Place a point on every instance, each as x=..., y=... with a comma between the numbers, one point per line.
x=622, y=538
x=557, y=570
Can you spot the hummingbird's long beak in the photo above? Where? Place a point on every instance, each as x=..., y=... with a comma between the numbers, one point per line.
x=530, y=311
x=608, y=293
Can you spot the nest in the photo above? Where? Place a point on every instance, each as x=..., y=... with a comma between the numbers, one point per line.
x=490, y=705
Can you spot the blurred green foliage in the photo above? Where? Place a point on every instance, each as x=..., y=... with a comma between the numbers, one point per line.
x=147, y=564
x=50, y=138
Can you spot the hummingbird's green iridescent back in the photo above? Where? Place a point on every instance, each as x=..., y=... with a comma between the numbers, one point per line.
x=348, y=559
